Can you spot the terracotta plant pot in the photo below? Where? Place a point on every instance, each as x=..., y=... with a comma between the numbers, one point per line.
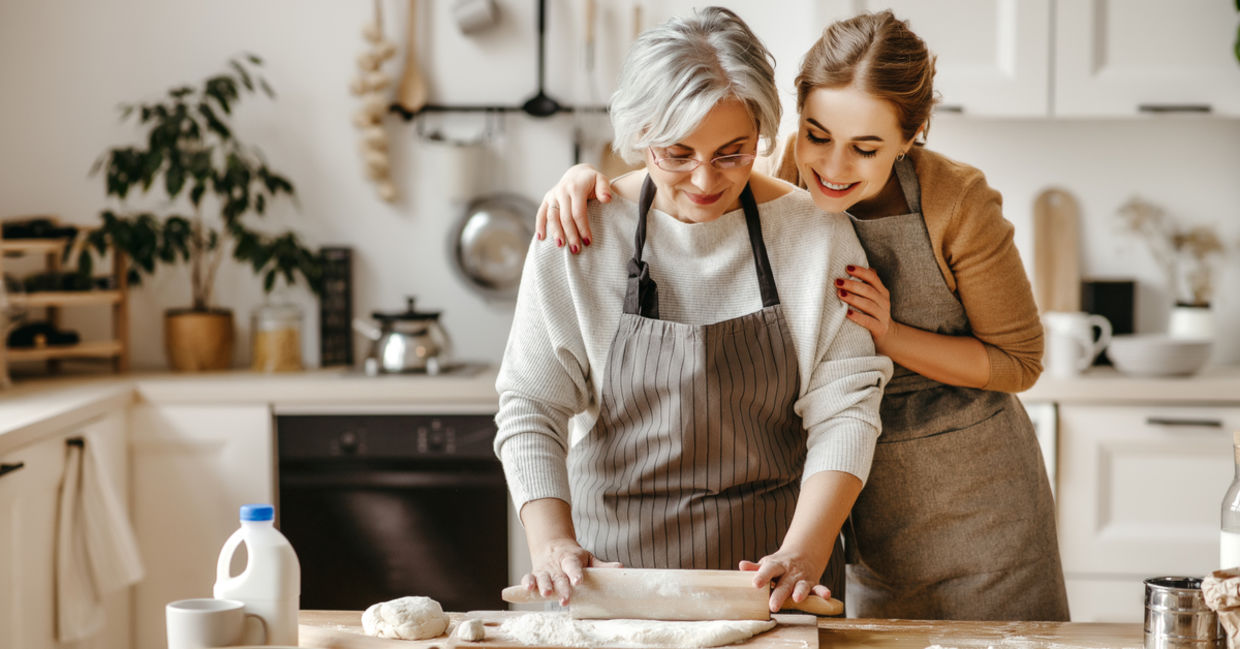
x=199, y=340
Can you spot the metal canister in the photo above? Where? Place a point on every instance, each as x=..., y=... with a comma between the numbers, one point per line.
x=1176, y=616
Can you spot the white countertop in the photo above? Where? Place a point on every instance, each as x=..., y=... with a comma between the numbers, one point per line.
x=35, y=408
x=38, y=407
x=1213, y=385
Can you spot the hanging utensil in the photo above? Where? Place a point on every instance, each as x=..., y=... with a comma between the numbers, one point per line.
x=490, y=241
x=541, y=105
x=411, y=93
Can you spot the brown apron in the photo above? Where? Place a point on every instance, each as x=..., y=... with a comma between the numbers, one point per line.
x=957, y=519
x=696, y=458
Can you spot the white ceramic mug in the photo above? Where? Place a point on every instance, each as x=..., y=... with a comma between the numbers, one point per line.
x=207, y=622
x=1071, y=343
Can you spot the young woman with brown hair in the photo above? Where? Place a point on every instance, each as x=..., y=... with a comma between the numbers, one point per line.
x=957, y=519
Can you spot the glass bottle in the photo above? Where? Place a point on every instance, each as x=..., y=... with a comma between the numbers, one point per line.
x=276, y=334
x=1229, y=531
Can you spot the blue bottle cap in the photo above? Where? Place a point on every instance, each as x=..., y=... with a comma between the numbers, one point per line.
x=257, y=512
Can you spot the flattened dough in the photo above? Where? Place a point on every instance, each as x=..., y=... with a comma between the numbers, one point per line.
x=559, y=629
x=405, y=618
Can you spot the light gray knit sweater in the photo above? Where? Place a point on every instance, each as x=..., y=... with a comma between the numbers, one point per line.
x=569, y=306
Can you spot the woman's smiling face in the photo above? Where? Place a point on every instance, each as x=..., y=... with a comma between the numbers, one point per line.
x=706, y=192
x=846, y=144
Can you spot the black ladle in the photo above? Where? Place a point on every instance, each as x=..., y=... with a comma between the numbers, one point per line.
x=540, y=105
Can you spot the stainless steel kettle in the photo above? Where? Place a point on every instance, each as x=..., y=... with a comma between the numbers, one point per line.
x=409, y=341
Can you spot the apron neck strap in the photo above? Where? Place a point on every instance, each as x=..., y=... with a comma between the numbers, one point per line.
x=907, y=175
x=641, y=296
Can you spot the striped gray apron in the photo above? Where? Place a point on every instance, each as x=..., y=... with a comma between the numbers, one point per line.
x=696, y=458
x=957, y=519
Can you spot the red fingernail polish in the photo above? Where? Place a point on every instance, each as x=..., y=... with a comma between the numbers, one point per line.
x=843, y=293
x=541, y=236
x=559, y=243
x=586, y=241
x=850, y=268
x=839, y=282
x=573, y=248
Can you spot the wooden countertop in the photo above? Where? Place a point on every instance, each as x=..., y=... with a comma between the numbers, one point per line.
x=834, y=633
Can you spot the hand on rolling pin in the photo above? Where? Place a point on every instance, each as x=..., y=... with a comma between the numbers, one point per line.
x=557, y=567
x=789, y=575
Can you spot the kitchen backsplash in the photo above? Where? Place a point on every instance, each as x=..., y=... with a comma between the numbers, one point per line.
x=64, y=72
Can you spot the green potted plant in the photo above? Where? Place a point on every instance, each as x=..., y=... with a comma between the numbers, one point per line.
x=206, y=184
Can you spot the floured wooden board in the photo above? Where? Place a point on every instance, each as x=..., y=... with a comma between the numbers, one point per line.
x=915, y=634
x=343, y=630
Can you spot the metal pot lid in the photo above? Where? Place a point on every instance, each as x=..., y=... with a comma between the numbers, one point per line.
x=409, y=314
x=490, y=242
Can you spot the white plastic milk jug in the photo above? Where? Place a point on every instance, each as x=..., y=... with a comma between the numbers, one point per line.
x=270, y=585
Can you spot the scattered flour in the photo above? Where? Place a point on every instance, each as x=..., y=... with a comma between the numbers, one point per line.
x=560, y=629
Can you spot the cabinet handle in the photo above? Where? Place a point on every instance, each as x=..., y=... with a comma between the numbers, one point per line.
x=9, y=468
x=1203, y=423
x=1174, y=108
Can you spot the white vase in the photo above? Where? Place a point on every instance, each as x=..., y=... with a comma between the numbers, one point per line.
x=1194, y=321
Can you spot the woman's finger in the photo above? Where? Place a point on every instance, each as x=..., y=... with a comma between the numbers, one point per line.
x=821, y=591
x=780, y=594
x=748, y=566
x=602, y=188
x=545, y=585
x=562, y=588
x=801, y=590
x=555, y=232
x=869, y=276
x=564, y=214
x=540, y=221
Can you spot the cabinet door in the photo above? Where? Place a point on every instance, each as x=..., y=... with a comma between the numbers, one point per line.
x=993, y=57
x=193, y=466
x=28, y=499
x=1128, y=57
x=29, y=506
x=1140, y=488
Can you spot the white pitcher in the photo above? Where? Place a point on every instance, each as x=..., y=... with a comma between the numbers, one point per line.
x=1071, y=343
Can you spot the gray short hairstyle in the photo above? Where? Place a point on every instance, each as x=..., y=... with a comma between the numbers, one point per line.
x=676, y=73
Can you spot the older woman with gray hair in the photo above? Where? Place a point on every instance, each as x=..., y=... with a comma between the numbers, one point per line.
x=691, y=394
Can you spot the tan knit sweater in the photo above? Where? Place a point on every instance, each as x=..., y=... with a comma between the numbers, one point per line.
x=981, y=265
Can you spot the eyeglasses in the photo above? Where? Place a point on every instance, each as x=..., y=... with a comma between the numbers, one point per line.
x=685, y=165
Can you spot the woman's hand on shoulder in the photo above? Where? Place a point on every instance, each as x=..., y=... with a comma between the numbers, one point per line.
x=563, y=215
x=789, y=575
x=558, y=566
x=868, y=301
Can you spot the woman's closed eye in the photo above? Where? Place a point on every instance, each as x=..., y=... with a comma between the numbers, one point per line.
x=822, y=139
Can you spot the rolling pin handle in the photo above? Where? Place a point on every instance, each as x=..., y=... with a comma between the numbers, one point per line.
x=520, y=595
x=817, y=605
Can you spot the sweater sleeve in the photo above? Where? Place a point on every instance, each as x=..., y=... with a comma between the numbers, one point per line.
x=990, y=279
x=840, y=404
x=543, y=381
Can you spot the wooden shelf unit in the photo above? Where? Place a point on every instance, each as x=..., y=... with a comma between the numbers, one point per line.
x=115, y=349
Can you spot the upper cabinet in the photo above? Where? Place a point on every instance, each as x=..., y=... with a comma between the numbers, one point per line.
x=1128, y=57
x=1074, y=58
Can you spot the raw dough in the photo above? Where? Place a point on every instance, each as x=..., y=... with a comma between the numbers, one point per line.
x=405, y=618
x=559, y=629
x=471, y=630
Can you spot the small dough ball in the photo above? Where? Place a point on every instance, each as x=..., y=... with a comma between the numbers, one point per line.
x=471, y=630
x=405, y=618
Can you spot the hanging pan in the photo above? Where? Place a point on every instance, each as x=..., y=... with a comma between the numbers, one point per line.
x=490, y=241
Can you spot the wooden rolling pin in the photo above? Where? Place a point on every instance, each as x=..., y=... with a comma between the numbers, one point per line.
x=647, y=594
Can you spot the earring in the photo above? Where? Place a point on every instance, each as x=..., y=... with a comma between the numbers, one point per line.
x=900, y=157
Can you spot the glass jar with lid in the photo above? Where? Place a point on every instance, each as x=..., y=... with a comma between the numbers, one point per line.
x=276, y=334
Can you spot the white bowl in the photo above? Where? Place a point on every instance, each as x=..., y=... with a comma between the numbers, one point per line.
x=1158, y=354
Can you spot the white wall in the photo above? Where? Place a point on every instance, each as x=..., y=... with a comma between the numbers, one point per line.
x=65, y=66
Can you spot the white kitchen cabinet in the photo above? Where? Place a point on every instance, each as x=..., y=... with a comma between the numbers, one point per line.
x=1128, y=57
x=993, y=57
x=193, y=467
x=1073, y=58
x=1139, y=494
x=29, y=504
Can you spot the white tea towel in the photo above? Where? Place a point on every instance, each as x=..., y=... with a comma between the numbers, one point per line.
x=96, y=552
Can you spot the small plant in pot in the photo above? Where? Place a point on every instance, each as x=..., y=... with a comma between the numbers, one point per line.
x=192, y=166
